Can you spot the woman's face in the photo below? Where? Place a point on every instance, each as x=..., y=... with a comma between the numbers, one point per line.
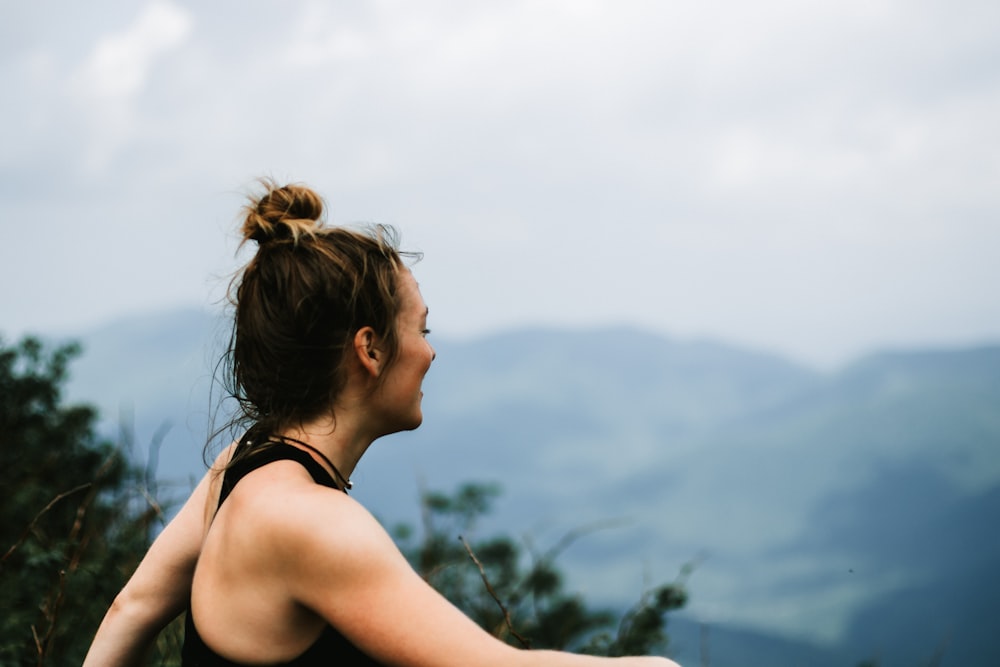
x=400, y=392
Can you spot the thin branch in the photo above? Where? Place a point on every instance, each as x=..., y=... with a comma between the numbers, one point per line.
x=74, y=554
x=575, y=534
x=437, y=569
x=553, y=552
x=154, y=505
x=625, y=624
x=31, y=526
x=153, y=455
x=489, y=588
x=38, y=643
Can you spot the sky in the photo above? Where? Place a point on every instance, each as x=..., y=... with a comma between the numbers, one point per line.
x=816, y=179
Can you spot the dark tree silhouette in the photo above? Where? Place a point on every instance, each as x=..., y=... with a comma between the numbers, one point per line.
x=72, y=523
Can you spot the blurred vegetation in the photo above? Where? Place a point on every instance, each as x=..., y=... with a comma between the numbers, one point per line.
x=78, y=515
x=517, y=593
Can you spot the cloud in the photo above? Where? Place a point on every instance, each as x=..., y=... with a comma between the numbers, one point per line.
x=727, y=166
x=119, y=64
x=115, y=73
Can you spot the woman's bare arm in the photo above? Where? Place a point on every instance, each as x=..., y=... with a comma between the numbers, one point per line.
x=160, y=587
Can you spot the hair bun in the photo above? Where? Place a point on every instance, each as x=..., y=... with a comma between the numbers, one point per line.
x=282, y=213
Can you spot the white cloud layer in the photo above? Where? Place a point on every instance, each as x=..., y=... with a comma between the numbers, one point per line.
x=814, y=178
x=119, y=65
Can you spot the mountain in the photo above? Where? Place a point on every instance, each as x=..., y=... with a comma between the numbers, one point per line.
x=850, y=514
x=151, y=375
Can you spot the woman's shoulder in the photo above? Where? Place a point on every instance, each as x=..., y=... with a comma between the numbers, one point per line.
x=284, y=535
x=282, y=505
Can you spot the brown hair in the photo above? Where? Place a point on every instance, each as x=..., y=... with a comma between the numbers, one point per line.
x=299, y=302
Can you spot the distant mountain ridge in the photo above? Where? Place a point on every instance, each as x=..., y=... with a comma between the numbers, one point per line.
x=822, y=504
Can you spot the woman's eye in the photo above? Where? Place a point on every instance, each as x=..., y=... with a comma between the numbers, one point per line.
x=425, y=332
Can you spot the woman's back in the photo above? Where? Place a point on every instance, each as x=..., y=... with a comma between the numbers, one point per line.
x=241, y=611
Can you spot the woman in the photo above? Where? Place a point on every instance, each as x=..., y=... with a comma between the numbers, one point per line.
x=272, y=560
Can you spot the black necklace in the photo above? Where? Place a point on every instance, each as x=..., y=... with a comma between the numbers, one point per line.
x=343, y=481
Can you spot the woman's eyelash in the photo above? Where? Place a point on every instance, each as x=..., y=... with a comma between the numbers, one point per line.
x=425, y=331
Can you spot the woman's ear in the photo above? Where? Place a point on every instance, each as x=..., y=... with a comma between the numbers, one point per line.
x=367, y=351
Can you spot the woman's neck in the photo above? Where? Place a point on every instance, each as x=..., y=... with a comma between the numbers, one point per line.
x=335, y=442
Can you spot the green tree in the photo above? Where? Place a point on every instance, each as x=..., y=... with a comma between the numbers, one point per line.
x=72, y=524
x=517, y=593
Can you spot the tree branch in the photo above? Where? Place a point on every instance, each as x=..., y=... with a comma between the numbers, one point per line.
x=489, y=588
x=31, y=526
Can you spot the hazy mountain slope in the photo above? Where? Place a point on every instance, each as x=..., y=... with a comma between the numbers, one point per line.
x=694, y=644
x=802, y=498
x=149, y=373
x=912, y=520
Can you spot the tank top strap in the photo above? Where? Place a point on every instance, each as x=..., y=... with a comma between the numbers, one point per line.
x=269, y=453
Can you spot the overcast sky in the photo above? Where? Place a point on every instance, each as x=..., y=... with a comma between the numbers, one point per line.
x=814, y=178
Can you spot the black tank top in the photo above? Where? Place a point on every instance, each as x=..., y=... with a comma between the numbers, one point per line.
x=331, y=647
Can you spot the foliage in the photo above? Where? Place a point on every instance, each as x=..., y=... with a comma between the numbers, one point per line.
x=72, y=525
x=518, y=594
